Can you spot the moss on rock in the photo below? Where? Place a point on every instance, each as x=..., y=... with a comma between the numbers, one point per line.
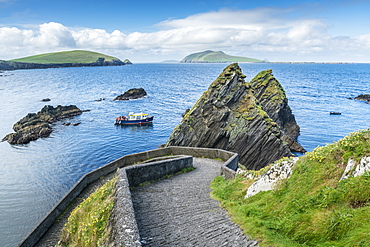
x=232, y=115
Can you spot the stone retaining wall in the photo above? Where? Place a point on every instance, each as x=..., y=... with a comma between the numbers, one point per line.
x=125, y=229
x=228, y=169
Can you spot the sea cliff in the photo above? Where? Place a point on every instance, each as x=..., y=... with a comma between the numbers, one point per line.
x=10, y=65
x=76, y=58
x=252, y=119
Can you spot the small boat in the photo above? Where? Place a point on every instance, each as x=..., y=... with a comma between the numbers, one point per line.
x=135, y=118
x=335, y=113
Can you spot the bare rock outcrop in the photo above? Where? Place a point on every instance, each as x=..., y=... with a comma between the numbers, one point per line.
x=134, y=93
x=276, y=173
x=355, y=169
x=36, y=125
x=363, y=97
x=252, y=119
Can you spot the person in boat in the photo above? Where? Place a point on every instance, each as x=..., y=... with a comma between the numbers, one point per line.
x=121, y=118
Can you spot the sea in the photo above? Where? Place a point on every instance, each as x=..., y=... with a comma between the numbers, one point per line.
x=35, y=176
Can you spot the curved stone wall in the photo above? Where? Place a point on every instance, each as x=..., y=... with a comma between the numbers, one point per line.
x=228, y=169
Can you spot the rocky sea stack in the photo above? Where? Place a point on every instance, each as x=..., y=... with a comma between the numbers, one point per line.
x=36, y=125
x=250, y=118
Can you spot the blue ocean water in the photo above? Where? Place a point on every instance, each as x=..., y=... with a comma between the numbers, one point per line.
x=33, y=177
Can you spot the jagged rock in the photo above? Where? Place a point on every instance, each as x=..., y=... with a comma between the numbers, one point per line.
x=50, y=114
x=279, y=171
x=363, y=97
x=355, y=170
x=29, y=128
x=134, y=93
x=252, y=119
x=34, y=126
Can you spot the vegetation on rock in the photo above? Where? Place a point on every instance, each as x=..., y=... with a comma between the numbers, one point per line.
x=216, y=57
x=311, y=208
x=252, y=119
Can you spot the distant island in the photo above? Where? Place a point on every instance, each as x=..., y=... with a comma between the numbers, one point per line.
x=76, y=58
x=217, y=57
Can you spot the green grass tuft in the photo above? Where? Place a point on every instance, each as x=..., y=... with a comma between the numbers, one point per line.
x=311, y=208
x=88, y=223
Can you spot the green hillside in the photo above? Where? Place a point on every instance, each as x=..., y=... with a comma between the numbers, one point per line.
x=217, y=57
x=77, y=56
x=311, y=208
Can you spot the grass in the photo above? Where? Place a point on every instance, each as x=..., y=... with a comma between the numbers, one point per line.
x=77, y=56
x=88, y=223
x=312, y=207
x=217, y=57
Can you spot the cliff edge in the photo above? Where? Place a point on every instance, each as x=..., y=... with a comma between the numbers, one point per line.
x=252, y=119
x=76, y=58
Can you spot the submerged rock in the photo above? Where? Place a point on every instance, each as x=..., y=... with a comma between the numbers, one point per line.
x=34, y=126
x=134, y=93
x=252, y=119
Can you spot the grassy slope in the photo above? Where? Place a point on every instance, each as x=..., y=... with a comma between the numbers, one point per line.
x=76, y=56
x=87, y=224
x=312, y=207
x=217, y=57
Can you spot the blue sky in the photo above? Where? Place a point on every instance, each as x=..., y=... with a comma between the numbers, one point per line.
x=153, y=31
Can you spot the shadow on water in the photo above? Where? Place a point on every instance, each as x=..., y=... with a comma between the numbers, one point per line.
x=136, y=127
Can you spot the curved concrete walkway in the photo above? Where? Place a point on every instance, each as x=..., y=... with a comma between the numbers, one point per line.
x=179, y=211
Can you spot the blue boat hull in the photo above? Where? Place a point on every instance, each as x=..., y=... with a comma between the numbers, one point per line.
x=137, y=122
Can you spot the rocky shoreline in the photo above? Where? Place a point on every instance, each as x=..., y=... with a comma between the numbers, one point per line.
x=36, y=125
x=10, y=65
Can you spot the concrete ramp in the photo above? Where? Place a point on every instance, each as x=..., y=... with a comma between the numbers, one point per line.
x=179, y=211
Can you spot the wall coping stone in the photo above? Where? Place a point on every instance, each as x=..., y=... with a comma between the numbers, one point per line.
x=228, y=169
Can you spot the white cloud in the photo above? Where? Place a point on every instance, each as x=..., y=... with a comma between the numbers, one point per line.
x=52, y=35
x=261, y=33
x=99, y=38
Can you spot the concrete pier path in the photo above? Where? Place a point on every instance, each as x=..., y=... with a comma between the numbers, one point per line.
x=178, y=211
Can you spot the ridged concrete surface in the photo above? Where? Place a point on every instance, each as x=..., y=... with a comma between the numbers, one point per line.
x=179, y=211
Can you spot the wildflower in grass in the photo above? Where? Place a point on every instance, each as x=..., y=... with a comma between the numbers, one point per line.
x=87, y=223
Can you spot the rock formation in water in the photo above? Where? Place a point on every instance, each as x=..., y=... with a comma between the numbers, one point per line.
x=252, y=119
x=134, y=93
x=34, y=126
x=363, y=97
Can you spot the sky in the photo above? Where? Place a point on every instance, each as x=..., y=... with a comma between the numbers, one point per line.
x=154, y=31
